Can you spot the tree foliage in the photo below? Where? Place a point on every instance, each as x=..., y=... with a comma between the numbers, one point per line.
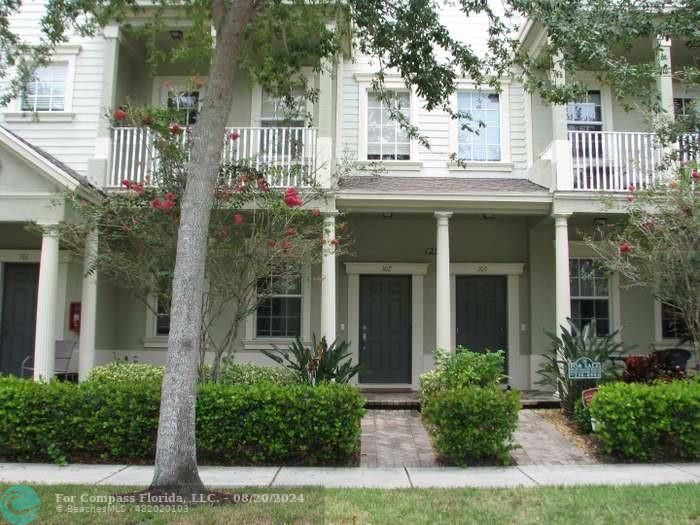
x=657, y=245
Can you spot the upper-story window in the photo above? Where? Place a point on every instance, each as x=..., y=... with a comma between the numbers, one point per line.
x=586, y=115
x=483, y=141
x=280, y=310
x=590, y=295
x=386, y=139
x=46, y=91
x=684, y=107
x=185, y=104
x=278, y=112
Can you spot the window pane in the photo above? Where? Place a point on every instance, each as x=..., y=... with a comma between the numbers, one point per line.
x=386, y=140
x=484, y=141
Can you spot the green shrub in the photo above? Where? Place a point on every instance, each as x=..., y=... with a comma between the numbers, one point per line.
x=459, y=369
x=102, y=421
x=473, y=424
x=278, y=424
x=643, y=422
x=582, y=417
x=236, y=373
x=129, y=372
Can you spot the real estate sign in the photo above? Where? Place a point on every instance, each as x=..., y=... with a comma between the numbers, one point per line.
x=585, y=368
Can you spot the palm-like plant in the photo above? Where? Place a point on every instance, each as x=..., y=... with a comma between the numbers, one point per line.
x=573, y=343
x=318, y=363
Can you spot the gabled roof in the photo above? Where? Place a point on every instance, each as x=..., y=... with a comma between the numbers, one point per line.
x=45, y=164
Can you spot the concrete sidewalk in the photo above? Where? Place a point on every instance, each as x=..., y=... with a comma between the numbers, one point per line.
x=389, y=478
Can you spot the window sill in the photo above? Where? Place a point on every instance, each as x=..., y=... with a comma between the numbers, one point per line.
x=269, y=343
x=481, y=166
x=670, y=343
x=389, y=165
x=39, y=116
x=157, y=341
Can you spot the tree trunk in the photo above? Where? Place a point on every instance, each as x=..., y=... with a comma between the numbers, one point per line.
x=176, y=453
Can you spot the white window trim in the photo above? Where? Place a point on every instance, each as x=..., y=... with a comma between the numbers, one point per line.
x=256, y=100
x=580, y=250
x=151, y=339
x=253, y=342
x=606, y=98
x=505, y=164
x=659, y=341
x=393, y=83
x=62, y=53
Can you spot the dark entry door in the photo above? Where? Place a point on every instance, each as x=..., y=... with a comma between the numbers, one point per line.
x=481, y=313
x=18, y=315
x=385, y=329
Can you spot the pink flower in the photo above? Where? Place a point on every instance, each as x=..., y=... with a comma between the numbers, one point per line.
x=290, y=232
x=315, y=212
x=234, y=135
x=138, y=188
x=648, y=224
x=156, y=203
x=175, y=128
x=630, y=197
x=285, y=245
x=292, y=198
x=126, y=183
x=625, y=247
x=263, y=186
x=333, y=242
x=632, y=187
x=169, y=196
x=695, y=174
x=119, y=114
x=167, y=205
x=238, y=219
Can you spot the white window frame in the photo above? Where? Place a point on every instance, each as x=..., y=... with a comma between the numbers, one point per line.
x=159, y=94
x=254, y=342
x=391, y=83
x=579, y=297
x=66, y=53
x=151, y=339
x=505, y=164
x=581, y=250
x=659, y=341
x=256, y=97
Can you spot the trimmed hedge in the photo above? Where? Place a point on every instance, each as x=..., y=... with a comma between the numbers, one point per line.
x=642, y=422
x=473, y=424
x=100, y=421
x=123, y=371
x=235, y=373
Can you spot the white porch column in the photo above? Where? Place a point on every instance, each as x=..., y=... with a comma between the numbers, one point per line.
x=45, y=334
x=88, y=310
x=664, y=82
x=443, y=335
x=328, y=304
x=561, y=255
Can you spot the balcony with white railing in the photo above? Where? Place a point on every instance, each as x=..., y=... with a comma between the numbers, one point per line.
x=289, y=153
x=615, y=160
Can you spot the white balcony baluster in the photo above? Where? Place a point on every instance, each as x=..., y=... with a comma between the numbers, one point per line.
x=288, y=150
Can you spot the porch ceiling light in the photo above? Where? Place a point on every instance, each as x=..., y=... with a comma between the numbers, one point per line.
x=176, y=34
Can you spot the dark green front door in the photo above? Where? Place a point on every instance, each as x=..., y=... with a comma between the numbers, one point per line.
x=385, y=329
x=481, y=312
x=19, y=293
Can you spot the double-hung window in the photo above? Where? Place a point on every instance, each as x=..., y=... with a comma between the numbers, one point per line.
x=590, y=295
x=672, y=323
x=586, y=118
x=279, y=308
x=386, y=138
x=162, y=324
x=287, y=121
x=46, y=91
x=479, y=138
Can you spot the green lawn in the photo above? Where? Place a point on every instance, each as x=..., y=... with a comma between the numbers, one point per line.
x=671, y=504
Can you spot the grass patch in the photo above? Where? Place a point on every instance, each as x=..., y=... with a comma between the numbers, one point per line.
x=666, y=504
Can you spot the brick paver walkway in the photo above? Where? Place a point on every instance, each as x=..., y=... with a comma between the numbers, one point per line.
x=395, y=438
x=540, y=443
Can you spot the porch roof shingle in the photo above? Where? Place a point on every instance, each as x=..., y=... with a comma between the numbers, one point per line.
x=392, y=184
